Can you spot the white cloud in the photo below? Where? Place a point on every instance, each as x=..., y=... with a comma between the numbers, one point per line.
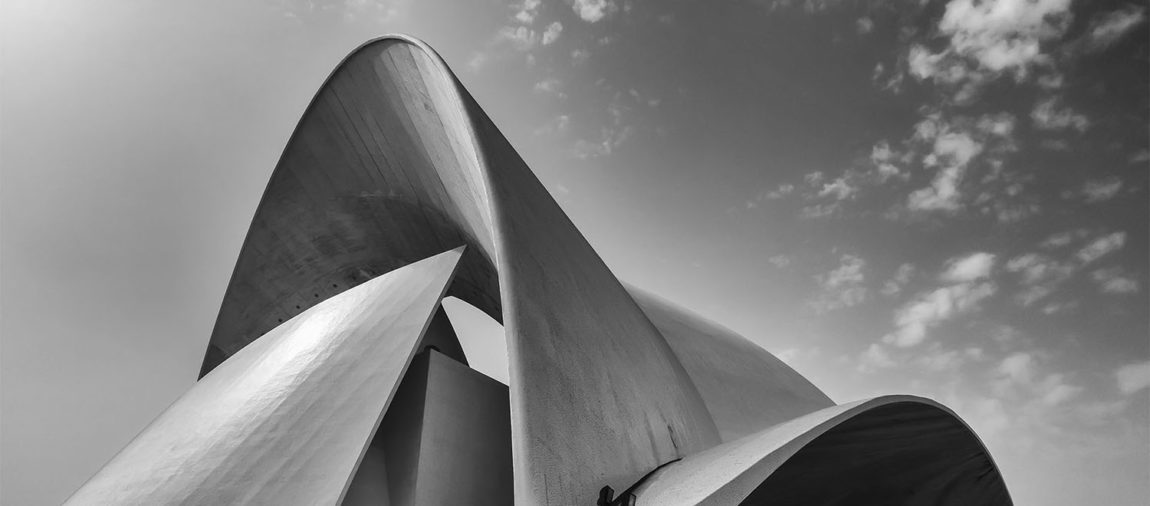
x=579, y=56
x=527, y=11
x=1004, y=35
x=999, y=125
x=1054, y=390
x=1102, y=246
x=1108, y=28
x=593, y=10
x=1040, y=275
x=1048, y=114
x=849, y=271
x=819, y=210
x=1133, y=377
x=551, y=34
x=953, y=150
x=883, y=157
x=989, y=39
x=864, y=25
x=1101, y=190
x=814, y=178
x=520, y=37
x=841, y=287
x=780, y=261
x=969, y=268
x=839, y=188
x=1063, y=239
x=1037, y=268
x=477, y=61
x=556, y=125
x=1114, y=280
x=1017, y=367
x=550, y=86
x=942, y=194
x=930, y=309
x=901, y=277
x=875, y=357
x=780, y=192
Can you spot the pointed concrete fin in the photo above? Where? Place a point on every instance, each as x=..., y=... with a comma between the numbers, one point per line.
x=286, y=420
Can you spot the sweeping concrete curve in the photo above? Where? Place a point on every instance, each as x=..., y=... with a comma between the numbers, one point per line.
x=744, y=386
x=394, y=161
x=894, y=449
x=286, y=420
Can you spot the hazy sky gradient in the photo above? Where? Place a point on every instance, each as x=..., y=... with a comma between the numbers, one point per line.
x=946, y=199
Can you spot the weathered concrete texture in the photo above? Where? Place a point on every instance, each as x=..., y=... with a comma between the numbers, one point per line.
x=393, y=161
x=446, y=440
x=286, y=420
x=886, y=450
x=745, y=387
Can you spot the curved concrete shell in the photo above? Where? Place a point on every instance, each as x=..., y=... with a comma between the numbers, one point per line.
x=744, y=387
x=394, y=161
x=888, y=450
x=341, y=273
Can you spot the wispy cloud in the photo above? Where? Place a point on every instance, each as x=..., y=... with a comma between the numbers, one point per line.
x=901, y=277
x=593, y=10
x=952, y=151
x=1040, y=276
x=1101, y=190
x=527, y=11
x=1133, y=377
x=969, y=286
x=1114, y=280
x=551, y=34
x=1108, y=28
x=1102, y=246
x=842, y=287
x=780, y=261
x=1050, y=114
x=969, y=268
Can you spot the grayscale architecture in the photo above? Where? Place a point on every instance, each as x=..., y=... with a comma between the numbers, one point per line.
x=332, y=376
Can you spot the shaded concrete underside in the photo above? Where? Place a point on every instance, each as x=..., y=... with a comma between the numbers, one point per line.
x=445, y=440
x=904, y=453
x=886, y=450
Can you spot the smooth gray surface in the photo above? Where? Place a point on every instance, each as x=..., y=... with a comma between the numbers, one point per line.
x=745, y=387
x=286, y=420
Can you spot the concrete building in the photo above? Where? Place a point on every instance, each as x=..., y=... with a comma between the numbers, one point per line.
x=332, y=376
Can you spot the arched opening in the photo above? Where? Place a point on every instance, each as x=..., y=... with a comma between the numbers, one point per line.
x=900, y=453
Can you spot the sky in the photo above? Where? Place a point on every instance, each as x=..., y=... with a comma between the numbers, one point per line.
x=944, y=198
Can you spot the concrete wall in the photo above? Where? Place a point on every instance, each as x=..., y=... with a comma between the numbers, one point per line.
x=446, y=440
